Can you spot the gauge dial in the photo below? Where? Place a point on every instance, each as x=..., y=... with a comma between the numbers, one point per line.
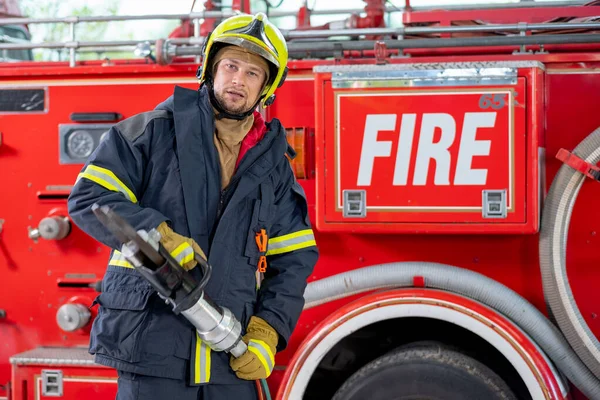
x=80, y=144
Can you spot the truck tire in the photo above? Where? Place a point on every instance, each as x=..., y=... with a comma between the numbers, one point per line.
x=424, y=372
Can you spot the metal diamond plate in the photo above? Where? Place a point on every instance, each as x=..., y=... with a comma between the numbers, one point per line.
x=54, y=356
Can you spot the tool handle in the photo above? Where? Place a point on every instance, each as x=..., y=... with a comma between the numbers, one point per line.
x=206, y=270
x=239, y=349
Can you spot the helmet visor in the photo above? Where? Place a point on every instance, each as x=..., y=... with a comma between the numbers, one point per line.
x=250, y=46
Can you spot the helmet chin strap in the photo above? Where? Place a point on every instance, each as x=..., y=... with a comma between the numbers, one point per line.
x=222, y=113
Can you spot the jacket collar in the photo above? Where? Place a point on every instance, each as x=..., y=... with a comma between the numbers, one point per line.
x=199, y=162
x=259, y=161
x=194, y=121
x=198, y=158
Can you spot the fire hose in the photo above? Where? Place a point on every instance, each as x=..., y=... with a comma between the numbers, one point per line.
x=466, y=283
x=574, y=348
x=217, y=327
x=554, y=232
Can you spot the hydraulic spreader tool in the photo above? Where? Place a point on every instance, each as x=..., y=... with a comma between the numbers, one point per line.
x=216, y=325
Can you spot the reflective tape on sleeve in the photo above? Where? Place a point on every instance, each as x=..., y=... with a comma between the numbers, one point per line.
x=107, y=179
x=290, y=242
x=119, y=260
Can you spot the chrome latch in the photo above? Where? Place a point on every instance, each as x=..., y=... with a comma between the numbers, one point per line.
x=355, y=203
x=494, y=204
x=52, y=383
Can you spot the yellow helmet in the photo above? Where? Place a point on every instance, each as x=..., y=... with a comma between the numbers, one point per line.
x=256, y=34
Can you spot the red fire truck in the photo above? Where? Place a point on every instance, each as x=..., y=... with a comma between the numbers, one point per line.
x=450, y=166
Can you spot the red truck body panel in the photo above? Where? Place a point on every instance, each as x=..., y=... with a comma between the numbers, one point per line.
x=413, y=219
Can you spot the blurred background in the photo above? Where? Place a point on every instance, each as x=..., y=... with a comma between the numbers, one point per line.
x=155, y=29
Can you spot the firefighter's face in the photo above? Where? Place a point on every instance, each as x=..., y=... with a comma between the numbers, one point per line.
x=237, y=84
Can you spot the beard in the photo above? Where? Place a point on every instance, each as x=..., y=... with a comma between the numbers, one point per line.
x=230, y=107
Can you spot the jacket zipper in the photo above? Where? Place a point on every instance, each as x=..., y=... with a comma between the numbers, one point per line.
x=221, y=204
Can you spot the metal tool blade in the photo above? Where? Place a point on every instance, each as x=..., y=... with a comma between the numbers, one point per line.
x=125, y=233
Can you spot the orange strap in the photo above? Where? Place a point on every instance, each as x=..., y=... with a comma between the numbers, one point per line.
x=261, y=241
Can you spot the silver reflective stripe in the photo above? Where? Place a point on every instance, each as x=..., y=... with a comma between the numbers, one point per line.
x=259, y=348
x=119, y=260
x=204, y=373
x=187, y=254
x=202, y=354
x=107, y=179
x=293, y=241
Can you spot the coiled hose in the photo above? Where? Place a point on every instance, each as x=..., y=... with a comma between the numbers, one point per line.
x=556, y=217
x=467, y=283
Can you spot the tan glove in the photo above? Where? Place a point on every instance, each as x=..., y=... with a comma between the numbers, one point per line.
x=258, y=361
x=180, y=247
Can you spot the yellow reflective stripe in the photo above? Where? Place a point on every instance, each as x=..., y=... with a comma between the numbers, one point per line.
x=201, y=362
x=197, y=360
x=267, y=348
x=290, y=236
x=261, y=358
x=290, y=242
x=262, y=351
x=106, y=178
x=183, y=253
x=98, y=181
x=120, y=263
x=208, y=360
x=119, y=260
x=292, y=247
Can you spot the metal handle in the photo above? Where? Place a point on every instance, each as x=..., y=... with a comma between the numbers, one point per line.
x=206, y=270
x=239, y=349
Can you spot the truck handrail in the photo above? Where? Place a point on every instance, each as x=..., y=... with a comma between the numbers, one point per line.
x=191, y=46
x=278, y=13
x=303, y=45
x=116, y=18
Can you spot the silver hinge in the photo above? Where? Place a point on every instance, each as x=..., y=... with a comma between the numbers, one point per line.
x=494, y=204
x=52, y=383
x=355, y=203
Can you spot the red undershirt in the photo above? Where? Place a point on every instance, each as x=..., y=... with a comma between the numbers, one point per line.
x=254, y=135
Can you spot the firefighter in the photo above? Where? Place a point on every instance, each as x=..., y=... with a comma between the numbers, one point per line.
x=211, y=176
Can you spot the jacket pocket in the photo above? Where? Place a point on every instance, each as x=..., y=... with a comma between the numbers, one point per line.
x=118, y=330
x=167, y=333
x=263, y=211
